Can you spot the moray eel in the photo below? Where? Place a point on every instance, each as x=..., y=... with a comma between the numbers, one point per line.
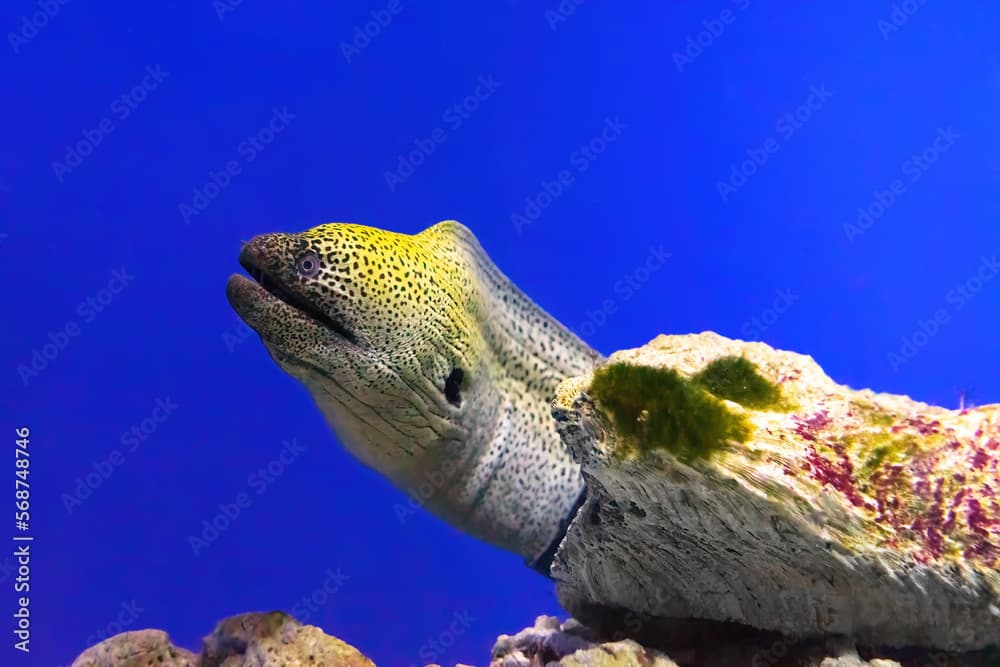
x=431, y=367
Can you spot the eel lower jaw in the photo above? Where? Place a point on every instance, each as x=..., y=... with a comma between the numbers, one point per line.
x=262, y=299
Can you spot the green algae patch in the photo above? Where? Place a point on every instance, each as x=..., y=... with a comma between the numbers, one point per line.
x=882, y=419
x=736, y=379
x=881, y=447
x=874, y=460
x=658, y=408
x=872, y=414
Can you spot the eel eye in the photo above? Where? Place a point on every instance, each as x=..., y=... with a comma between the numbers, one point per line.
x=307, y=265
x=452, y=387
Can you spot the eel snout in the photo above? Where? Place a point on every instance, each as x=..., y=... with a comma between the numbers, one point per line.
x=281, y=270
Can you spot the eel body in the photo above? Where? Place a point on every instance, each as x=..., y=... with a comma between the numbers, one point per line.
x=431, y=367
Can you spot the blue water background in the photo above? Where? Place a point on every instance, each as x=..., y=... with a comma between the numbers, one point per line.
x=590, y=141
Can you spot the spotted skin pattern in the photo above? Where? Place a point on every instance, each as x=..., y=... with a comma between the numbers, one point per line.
x=374, y=323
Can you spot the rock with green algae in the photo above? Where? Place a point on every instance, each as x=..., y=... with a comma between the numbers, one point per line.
x=729, y=481
x=249, y=640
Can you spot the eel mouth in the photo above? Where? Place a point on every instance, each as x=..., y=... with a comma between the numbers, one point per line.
x=273, y=287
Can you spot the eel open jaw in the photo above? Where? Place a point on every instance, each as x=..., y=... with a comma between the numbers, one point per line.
x=262, y=300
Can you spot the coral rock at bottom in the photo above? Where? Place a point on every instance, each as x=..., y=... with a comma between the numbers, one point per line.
x=570, y=645
x=549, y=644
x=249, y=640
x=278, y=640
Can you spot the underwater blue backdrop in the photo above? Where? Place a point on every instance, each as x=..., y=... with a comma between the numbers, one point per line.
x=823, y=178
